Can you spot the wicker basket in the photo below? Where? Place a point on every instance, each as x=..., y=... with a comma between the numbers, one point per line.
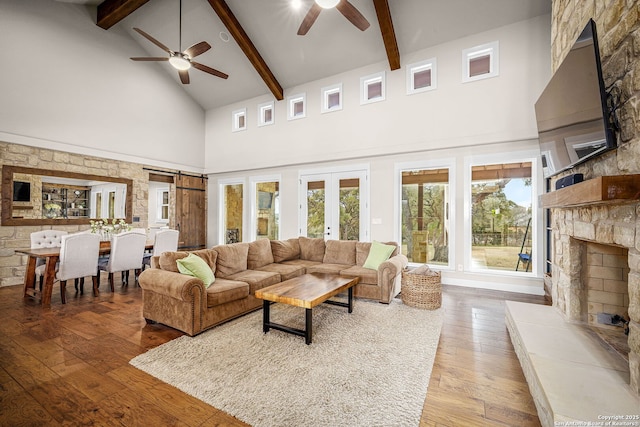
x=421, y=291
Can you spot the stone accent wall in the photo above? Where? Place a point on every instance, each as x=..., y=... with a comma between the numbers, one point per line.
x=618, y=28
x=12, y=266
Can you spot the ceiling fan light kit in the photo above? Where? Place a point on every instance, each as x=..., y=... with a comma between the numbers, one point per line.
x=182, y=61
x=347, y=10
x=327, y=4
x=179, y=63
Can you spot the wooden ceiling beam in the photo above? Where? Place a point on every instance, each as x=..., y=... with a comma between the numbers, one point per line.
x=388, y=34
x=229, y=20
x=110, y=12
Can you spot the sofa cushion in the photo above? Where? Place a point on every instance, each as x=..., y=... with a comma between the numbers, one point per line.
x=232, y=258
x=378, y=254
x=259, y=254
x=362, y=251
x=312, y=249
x=224, y=291
x=301, y=263
x=366, y=275
x=167, y=260
x=195, y=266
x=256, y=279
x=340, y=252
x=284, y=250
x=327, y=268
x=286, y=271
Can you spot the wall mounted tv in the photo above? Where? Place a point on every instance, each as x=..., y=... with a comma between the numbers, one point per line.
x=573, y=116
x=21, y=191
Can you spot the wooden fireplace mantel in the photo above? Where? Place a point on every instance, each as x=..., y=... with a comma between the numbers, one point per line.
x=617, y=189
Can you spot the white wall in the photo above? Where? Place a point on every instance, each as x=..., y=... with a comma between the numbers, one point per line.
x=69, y=85
x=455, y=114
x=457, y=121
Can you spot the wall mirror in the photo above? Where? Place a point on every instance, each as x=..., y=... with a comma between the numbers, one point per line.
x=45, y=197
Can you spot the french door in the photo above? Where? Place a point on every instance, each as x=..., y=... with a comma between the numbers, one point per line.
x=334, y=205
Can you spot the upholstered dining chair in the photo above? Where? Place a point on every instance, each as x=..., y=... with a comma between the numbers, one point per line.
x=164, y=241
x=127, y=250
x=78, y=259
x=45, y=239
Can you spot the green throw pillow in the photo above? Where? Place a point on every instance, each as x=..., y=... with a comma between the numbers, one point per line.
x=195, y=266
x=378, y=254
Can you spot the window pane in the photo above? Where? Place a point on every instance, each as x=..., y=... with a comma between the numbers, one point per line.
x=425, y=223
x=480, y=65
x=333, y=100
x=374, y=90
x=267, y=211
x=112, y=204
x=349, y=209
x=98, y=205
x=315, y=209
x=268, y=114
x=501, y=198
x=422, y=79
x=298, y=108
x=233, y=213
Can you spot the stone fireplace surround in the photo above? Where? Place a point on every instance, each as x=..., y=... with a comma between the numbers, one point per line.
x=573, y=375
x=606, y=224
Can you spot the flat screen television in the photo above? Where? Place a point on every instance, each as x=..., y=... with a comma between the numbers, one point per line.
x=573, y=116
x=21, y=191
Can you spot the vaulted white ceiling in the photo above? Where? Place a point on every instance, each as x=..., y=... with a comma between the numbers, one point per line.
x=333, y=45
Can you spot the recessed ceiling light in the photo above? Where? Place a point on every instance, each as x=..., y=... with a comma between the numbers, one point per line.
x=296, y=4
x=224, y=36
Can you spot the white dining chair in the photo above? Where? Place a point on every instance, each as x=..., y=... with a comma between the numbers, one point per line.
x=78, y=259
x=45, y=239
x=164, y=241
x=127, y=250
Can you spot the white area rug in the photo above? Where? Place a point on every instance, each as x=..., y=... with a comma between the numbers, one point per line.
x=367, y=368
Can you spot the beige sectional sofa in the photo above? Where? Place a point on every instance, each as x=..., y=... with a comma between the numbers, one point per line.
x=183, y=302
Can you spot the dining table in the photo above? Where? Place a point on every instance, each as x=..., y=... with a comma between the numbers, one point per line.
x=51, y=256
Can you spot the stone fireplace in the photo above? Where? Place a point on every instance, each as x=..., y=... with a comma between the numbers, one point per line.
x=611, y=224
x=596, y=273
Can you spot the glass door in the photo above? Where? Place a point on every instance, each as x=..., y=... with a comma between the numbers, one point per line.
x=334, y=205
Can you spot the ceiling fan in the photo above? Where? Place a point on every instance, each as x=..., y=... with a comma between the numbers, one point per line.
x=182, y=61
x=348, y=10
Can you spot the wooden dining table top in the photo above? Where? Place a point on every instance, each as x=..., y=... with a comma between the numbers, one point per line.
x=105, y=248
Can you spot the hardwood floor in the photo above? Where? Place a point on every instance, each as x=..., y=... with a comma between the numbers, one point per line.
x=68, y=365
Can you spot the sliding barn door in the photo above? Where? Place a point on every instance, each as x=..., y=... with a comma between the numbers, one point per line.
x=191, y=211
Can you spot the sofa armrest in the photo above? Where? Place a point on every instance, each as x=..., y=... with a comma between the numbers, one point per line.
x=175, y=285
x=389, y=276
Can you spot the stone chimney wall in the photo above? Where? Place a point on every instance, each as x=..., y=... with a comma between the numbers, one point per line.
x=618, y=29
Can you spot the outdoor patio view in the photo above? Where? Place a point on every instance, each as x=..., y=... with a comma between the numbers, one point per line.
x=425, y=219
x=500, y=218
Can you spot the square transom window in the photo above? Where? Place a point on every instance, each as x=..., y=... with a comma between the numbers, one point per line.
x=421, y=76
x=296, y=106
x=239, y=120
x=480, y=62
x=372, y=88
x=265, y=114
x=331, y=98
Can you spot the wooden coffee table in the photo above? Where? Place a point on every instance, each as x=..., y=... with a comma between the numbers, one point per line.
x=305, y=291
